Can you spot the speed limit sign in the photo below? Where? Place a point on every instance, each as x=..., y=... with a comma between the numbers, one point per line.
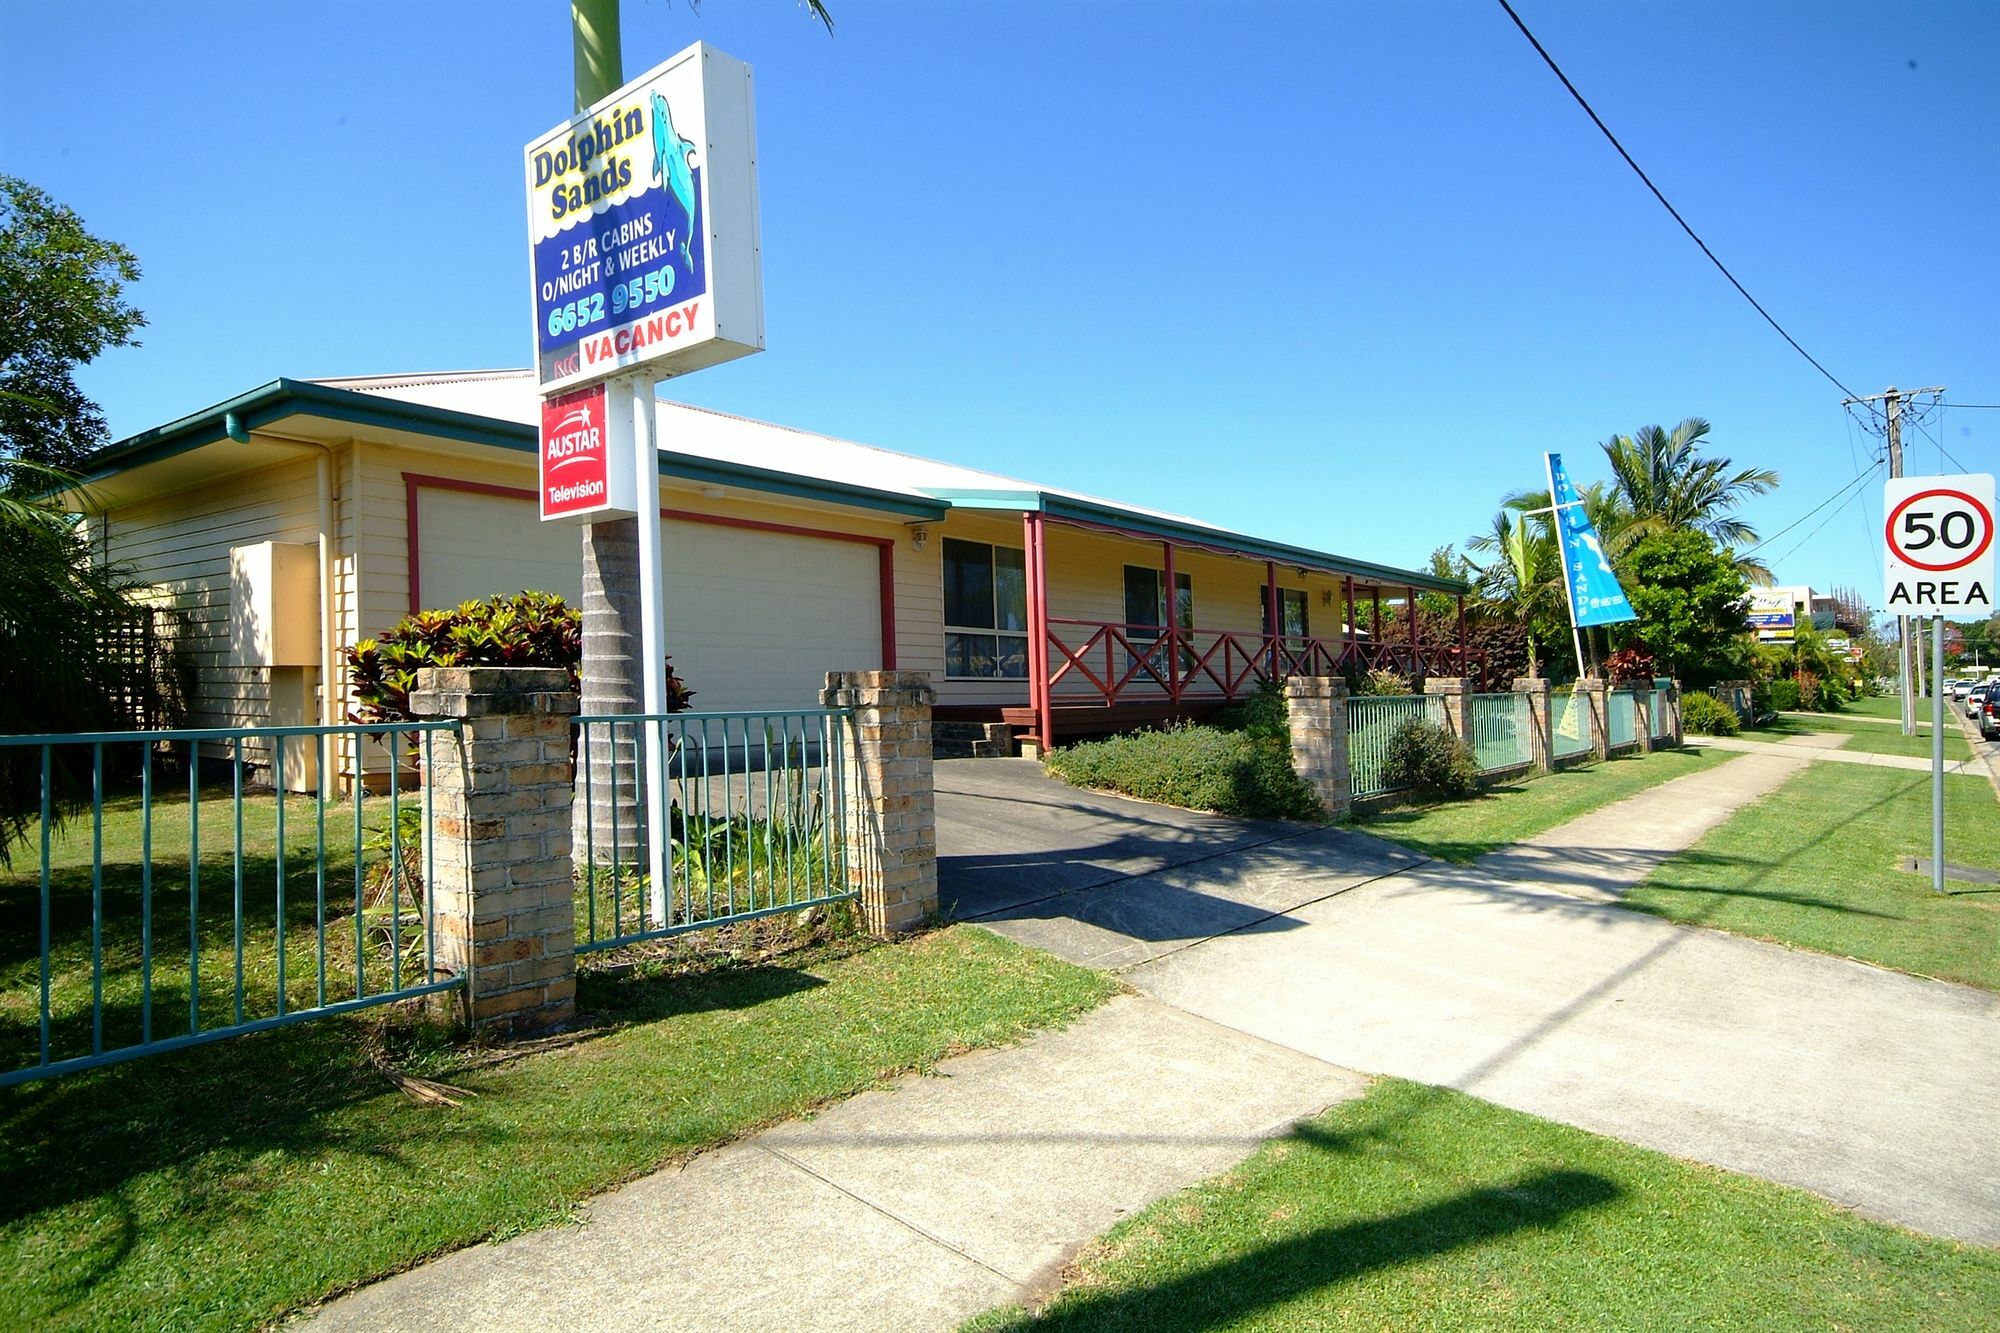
x=1940, y=545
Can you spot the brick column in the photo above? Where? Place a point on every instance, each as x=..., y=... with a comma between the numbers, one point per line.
x=1456, y=691
x=502, y=881
x=611, y=684
x=1674, y=733
x=1537, y=690
x=1598, y=692
x=1642, y=718
x=1317, y=708
x=889, y=816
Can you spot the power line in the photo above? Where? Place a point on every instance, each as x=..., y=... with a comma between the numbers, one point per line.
x=1857, y=479
x=1984, y=407
x=1597, y=120
x=1800, y=544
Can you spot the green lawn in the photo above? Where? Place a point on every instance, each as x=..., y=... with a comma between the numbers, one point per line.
x=224, y=1186
x=1417, y=1207
x=1814, y=865
x=1871, y=737
x=1464, y=831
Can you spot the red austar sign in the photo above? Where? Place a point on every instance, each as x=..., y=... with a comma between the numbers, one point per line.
x=586, y=467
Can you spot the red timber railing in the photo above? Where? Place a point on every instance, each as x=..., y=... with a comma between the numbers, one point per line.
x=1098, y=662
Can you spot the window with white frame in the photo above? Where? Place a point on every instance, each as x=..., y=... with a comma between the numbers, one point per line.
x=985, y=611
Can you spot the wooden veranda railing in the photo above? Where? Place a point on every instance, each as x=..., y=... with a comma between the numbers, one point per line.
x=1103, y=662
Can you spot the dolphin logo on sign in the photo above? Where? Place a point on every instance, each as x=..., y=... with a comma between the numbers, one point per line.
x=670, y=167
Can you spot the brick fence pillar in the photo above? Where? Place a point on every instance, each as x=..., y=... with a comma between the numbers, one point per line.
x=501, y=879
x=1457, y=691
x=1642, y=719
x=1537, y=690
x=1674, y=736
x=1317, y=708
x=889, y=820
x=1598, y=692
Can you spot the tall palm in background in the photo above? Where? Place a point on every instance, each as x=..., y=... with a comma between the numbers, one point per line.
x=1523, y=578
x=1666, y=483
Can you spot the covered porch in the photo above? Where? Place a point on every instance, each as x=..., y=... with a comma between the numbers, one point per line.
x=1064, y=618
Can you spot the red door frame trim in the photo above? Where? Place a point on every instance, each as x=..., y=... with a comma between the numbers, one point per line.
x=885, y=547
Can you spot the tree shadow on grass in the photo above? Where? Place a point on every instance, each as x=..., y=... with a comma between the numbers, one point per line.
x=1241, y=1286
x=88, y=1136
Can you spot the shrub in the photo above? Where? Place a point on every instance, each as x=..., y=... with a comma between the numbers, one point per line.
x=529, y=629
x=1428, y=759
x=1261, y=715
x=1630, y=665
x=1782, y=694
x=1201, y=768
x=1383, y=681
x=1706, y=715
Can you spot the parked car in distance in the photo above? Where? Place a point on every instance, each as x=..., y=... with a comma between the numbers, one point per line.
x=1958, y=688
x=1989, y=719
x=1975, y=699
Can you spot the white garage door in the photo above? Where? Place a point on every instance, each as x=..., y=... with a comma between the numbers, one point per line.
x=754, y=619
x=477, y=546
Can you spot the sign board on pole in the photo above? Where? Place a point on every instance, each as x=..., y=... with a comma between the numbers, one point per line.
x=642, y=227
x=587, y=468
x=1939, y=532
x=1771, y=613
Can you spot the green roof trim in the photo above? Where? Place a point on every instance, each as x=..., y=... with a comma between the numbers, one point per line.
x=1014, y=501
x=770, y=481
x=1063, y=506
x=271, y=403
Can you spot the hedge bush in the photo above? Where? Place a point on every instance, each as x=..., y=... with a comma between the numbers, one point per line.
x=1201, y=768
x=1706, y=715
x=1427, y=759
x=1782, y=694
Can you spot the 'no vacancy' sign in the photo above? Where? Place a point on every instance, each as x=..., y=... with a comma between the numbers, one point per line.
x=1939, y=532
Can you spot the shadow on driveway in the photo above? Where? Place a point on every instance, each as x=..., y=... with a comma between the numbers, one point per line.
x=1109, y=882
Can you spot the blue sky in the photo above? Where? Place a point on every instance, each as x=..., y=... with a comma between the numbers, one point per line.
x=1334, y=274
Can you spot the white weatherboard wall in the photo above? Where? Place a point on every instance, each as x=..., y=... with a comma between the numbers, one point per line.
x=755, y=619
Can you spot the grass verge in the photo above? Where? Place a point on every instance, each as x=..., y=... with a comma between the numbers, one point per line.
x=1815, y=864
x=227, y=1185
x=1464, y=831
x=1869, y=737
x=1417, y=1207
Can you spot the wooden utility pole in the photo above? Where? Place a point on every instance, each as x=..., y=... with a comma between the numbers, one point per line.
x=1909, y=650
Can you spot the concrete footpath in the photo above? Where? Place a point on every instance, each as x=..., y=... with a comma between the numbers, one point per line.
x=1907, y=762
x=1268, y=972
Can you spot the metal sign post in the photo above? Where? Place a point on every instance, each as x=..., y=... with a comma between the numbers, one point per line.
x=1939, y=536
x=645, y=262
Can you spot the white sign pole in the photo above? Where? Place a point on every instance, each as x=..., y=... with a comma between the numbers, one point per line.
x=1937, y=754
x=1939, y=537
x=637, y=394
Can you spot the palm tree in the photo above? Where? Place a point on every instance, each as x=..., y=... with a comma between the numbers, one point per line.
x=1666, y=483
x=1524, y=579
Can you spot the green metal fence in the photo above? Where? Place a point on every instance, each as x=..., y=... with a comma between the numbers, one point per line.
x=753, y=812
x=1570, y=724
x=156, y=897
x=1503, y=730
x=1371, y=721
x=1622, y=720
x=1662, y=714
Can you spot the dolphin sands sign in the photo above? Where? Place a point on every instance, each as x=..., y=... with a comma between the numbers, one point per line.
x=642, y=229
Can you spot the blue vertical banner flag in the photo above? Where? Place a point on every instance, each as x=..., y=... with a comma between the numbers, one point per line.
x=1594, y=595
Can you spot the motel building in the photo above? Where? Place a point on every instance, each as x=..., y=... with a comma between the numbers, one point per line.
x=302, y=515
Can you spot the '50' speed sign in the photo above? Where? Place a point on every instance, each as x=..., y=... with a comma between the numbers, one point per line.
x=1940, y=544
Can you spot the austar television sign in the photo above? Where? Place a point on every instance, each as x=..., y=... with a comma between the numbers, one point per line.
x=642, y=227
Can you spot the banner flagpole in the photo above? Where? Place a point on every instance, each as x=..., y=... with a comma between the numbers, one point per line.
x=1569, y=592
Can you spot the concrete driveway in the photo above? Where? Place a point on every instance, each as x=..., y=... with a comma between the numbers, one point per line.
x=1876, y=1089
x=1111, y=883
